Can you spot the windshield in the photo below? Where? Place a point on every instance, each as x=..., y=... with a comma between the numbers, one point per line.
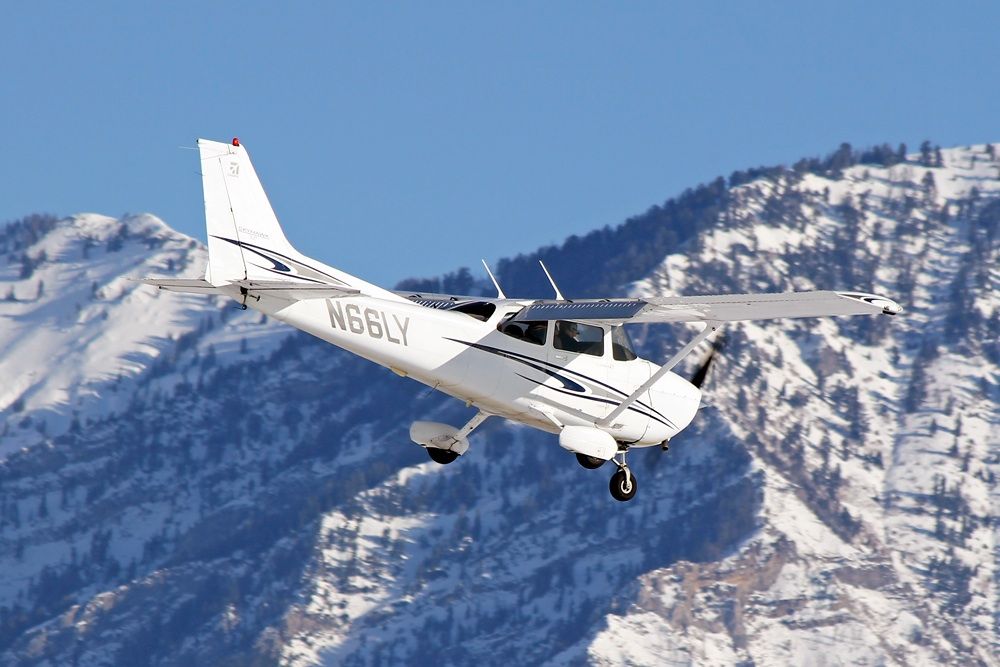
x=621, y=346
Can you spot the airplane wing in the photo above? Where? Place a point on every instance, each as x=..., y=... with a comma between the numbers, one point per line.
x=716, y=308
x=282, y=289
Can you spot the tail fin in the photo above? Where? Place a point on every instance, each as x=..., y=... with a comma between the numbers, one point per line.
x=245, y=241
x=239, y=216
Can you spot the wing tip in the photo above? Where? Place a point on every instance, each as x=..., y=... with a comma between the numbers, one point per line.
x=888, y=306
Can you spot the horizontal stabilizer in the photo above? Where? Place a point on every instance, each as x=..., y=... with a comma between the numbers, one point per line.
x=193, y=285
x=281, y=289
x=296, y=291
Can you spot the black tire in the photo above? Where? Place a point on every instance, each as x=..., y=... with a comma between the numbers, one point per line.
x=619, y=484
x=442, y=456
x=589, y=462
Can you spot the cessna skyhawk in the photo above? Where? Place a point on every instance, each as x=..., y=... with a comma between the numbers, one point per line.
x=562, y=366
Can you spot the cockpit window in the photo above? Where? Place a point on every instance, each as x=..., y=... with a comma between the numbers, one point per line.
x=481, y=310
x=582, y=338
x=621, y=345
x=531, y=331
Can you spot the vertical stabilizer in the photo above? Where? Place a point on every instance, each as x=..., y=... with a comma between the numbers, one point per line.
x=238, y=214
x=245, y=241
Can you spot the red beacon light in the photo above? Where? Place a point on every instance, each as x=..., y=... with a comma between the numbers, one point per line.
x=236, y=141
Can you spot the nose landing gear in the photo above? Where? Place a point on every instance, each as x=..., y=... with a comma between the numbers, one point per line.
x=623, y=485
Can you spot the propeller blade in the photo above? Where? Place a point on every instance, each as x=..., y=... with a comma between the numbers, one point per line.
x=699, y=376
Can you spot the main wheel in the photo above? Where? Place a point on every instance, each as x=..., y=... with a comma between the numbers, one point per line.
x=442, y=456
x=589, y=462
x=623, y=485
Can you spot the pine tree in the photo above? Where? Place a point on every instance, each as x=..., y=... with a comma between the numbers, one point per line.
x=928, y=184
x=925, y=153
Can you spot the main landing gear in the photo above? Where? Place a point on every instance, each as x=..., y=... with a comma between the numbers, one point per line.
x=442, y=456
x=589, y=462
x=623, y=485
x=444, y=443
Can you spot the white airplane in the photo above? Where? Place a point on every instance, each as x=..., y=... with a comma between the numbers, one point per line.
x=565, y=366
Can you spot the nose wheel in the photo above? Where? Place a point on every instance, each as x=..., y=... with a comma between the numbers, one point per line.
x=623, y=485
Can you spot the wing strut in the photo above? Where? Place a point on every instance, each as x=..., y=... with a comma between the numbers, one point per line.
x=710, y=328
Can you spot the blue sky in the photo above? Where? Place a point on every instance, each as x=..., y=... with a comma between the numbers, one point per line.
x=409, y=139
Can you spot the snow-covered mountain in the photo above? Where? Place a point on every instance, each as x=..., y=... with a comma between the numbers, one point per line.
x=75, y=327
x=185, y=483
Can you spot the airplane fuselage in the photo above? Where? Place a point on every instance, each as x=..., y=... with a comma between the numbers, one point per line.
x=472, y=360
x=557, y=365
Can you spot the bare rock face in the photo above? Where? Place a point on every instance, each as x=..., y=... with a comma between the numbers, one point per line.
x=182, y=483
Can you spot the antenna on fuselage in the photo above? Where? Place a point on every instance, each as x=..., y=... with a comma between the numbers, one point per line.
x=559, y=296
x=500, y=294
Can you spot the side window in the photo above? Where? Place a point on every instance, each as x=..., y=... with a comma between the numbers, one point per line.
x=481, y=310
x=621, y=345
x=582, y=338
x=532, y=331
